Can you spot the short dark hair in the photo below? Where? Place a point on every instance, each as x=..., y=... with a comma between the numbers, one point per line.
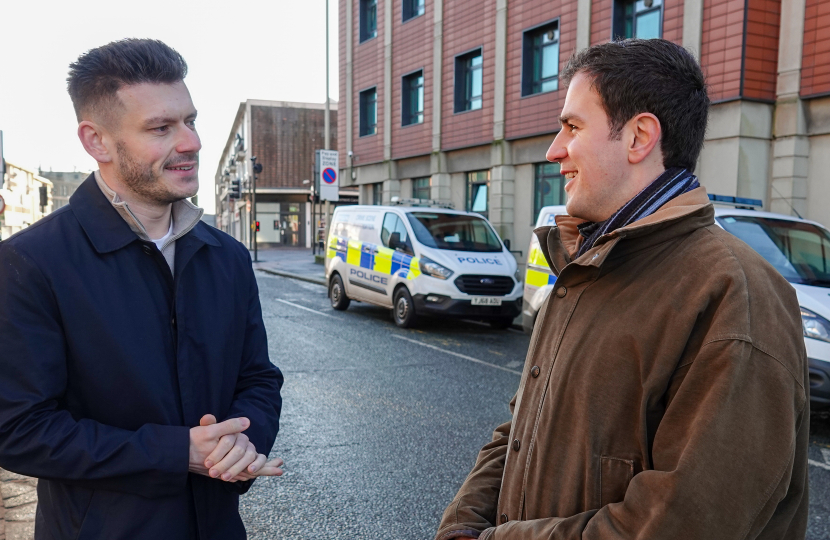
x=95, y=78
x=634, y=76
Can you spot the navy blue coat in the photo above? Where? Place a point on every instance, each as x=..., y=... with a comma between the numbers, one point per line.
x=107, y=360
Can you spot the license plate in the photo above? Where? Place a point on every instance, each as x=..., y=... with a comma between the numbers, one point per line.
x=486, y=301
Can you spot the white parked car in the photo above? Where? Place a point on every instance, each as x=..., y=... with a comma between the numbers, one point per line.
x=421, y=261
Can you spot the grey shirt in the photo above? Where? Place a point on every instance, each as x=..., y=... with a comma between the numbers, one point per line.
x=185, y=216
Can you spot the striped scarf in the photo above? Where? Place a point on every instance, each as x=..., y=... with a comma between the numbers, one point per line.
x=673, y=182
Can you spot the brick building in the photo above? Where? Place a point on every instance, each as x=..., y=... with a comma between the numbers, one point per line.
x=458, y=101
x=283, y=136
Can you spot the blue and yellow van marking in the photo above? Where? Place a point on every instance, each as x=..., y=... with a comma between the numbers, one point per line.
x=373, y=257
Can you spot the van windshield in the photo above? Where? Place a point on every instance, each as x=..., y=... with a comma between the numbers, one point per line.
x=799, y=251
x=454, y=232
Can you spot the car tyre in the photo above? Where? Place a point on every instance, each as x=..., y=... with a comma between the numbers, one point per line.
x=502, y=323
x=403, y=308
x=337, y=294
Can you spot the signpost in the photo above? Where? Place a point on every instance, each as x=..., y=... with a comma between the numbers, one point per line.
x=327, y=182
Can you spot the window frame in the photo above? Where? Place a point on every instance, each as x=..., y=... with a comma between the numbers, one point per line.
x=462, y=79
x=377, y=194
x=407, y=13
x=361, y=112
x=363, y=32
x=468, y=205
x=528, y=50
x=538, y=203
x=428, y=186
x=618, y=18
x=406, y=105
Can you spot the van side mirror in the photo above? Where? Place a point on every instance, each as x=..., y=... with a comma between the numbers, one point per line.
x=395, y=240
x=507, y=244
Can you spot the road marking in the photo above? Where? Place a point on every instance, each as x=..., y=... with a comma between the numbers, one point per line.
x=826, y=453
x=818, y=464
x=305, y=308
x=459, y=355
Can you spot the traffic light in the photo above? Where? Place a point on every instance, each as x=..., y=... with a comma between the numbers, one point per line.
x=236, y=189
x=257, y=226
x=44, y=196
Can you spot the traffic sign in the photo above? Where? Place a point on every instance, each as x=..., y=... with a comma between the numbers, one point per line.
x=329, y=176
x=327, y=181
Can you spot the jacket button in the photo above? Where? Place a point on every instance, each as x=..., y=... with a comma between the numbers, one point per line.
x=503, y=519
x=561, y=292
x=516, y=445
x=534, y=371
x=147, y=249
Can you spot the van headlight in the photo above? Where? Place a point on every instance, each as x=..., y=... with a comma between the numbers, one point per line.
x=518, y=275
x=432, y=268
x=815, y=326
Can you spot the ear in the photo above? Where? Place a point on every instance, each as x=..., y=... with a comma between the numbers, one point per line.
x=95, y=138
x=644, y=136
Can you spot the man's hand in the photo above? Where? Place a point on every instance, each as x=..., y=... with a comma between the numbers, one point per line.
x=205, y=439
x=233, y=457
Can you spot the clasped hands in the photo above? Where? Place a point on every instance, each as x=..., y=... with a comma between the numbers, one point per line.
x=223, y=451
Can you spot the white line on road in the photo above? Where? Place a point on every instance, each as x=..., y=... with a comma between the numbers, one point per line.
x=464, y=356
x=815, y=463
x=305, y=308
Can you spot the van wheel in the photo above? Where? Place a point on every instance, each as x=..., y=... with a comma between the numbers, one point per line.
x=403, y=308
x=502, y=323
x=337, y=294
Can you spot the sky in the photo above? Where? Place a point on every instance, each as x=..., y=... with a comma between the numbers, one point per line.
x=235, y=50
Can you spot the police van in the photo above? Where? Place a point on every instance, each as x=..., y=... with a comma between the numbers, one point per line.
x=422, y=260
x=539, y=279
x=798, y=248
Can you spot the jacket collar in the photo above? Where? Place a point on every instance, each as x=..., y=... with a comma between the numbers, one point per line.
x=104, y=226
x=681, y=215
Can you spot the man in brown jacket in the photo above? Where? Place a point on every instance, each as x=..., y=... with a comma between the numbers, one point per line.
x=664, y=394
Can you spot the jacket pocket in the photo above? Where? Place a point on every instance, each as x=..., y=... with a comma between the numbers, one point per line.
x=615, y=475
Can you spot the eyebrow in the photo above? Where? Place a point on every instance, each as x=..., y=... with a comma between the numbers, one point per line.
x=157, y=120
x=565, y=119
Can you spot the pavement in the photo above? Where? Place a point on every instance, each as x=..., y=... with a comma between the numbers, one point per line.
x=295, y=263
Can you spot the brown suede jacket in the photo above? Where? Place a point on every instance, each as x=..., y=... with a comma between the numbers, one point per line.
x=664, y=395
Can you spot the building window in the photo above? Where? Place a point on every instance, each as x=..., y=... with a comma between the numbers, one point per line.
x=540, y=59
x=377, y=193
x=548, y=188
x=412, y=106
x=368, y=112
x=478, y=184
x=420, y=188
x=368, y=19
x=412, y=9
x=468, y=81
x=641, y=19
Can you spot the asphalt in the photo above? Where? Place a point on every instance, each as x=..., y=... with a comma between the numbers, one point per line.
x=380, y=425
x=378, y=429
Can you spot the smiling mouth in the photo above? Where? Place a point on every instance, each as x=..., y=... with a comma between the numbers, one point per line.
x=183, y=168
x=570, y=175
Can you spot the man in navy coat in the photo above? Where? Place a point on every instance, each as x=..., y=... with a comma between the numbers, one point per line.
x=134, y=372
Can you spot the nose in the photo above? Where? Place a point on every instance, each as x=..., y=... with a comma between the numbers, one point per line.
x=557, y=151
x=189, y=143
